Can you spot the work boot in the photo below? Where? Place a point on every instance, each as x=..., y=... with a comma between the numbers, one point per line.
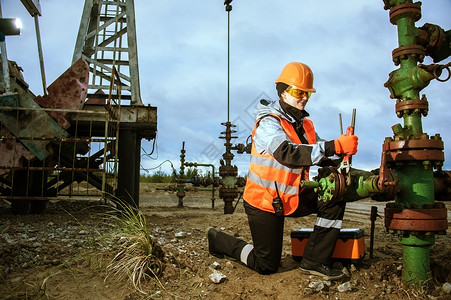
x=211, y=236
x=316, y=268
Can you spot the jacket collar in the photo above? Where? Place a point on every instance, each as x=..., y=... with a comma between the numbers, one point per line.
x=266, y=107
x=296, y=114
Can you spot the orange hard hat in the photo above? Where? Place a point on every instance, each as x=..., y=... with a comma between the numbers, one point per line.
x=298, y=75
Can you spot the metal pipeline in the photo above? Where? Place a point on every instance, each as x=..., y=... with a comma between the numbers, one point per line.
x=411, y=153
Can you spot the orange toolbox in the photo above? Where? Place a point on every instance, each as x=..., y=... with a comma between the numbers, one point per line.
x=350, y=245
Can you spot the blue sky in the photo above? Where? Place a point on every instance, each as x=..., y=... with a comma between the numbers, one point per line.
x=182, y=52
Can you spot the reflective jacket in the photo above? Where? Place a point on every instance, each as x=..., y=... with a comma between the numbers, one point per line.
x=264, y=170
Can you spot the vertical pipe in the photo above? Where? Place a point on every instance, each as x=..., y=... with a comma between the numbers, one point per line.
x=5, y=68
x=416, y=258
x=41, y=58
x=228, y=66
x=416, y=184
x=133, y=53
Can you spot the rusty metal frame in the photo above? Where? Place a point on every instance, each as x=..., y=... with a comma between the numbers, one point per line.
x=83, y=165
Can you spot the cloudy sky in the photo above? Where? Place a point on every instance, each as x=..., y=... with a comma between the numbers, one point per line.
x=182, y=50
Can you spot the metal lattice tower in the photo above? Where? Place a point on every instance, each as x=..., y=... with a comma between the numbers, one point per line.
x=107, y=39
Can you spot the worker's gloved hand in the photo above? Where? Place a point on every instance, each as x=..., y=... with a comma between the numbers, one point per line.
x=346, y=144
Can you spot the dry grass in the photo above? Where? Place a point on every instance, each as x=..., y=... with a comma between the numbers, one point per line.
x=139, y=258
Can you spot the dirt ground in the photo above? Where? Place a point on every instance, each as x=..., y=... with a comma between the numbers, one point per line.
x=63, y=254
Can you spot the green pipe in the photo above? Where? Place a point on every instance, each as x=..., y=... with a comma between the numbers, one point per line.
x=416, y=262
x=416, y=182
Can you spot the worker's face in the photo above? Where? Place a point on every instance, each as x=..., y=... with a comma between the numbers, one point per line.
x=295, y=97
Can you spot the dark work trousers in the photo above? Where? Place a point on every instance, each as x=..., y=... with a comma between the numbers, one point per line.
x=267, y=235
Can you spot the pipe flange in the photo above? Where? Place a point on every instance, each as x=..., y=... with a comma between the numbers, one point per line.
x=228, y=171
x=417, y=50
x=416, y=155
x=413, y=220
x=413, y=144
x=402, y=10
x=412, y=105
x=228, y=193
x=414, y=150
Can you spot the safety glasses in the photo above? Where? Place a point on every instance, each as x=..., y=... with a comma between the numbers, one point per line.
x=297, y=93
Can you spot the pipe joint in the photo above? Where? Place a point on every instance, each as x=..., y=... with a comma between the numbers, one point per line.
x=410, y=10
x=432, y=220
x=408, y=80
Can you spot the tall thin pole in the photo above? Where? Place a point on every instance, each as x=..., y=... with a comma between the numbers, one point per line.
x=228, y=8
x=5, y=68
x=41, y=57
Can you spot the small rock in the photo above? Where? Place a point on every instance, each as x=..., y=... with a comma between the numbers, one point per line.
x=316, y=285
x=344, y=287
x=217, y=277
x=179, y=235
x=82, y=232
x=446, y=287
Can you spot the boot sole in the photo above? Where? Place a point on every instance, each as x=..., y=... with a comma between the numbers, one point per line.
x=326, y=277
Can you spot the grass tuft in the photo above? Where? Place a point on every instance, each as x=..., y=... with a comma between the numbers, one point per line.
x=139, y=257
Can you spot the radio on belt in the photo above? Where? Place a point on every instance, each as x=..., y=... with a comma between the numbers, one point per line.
x=350, y=245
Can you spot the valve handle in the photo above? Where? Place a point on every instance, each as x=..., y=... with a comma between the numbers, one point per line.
x=345, y=165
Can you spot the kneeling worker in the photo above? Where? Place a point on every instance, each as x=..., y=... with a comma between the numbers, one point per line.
x=284, y=146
